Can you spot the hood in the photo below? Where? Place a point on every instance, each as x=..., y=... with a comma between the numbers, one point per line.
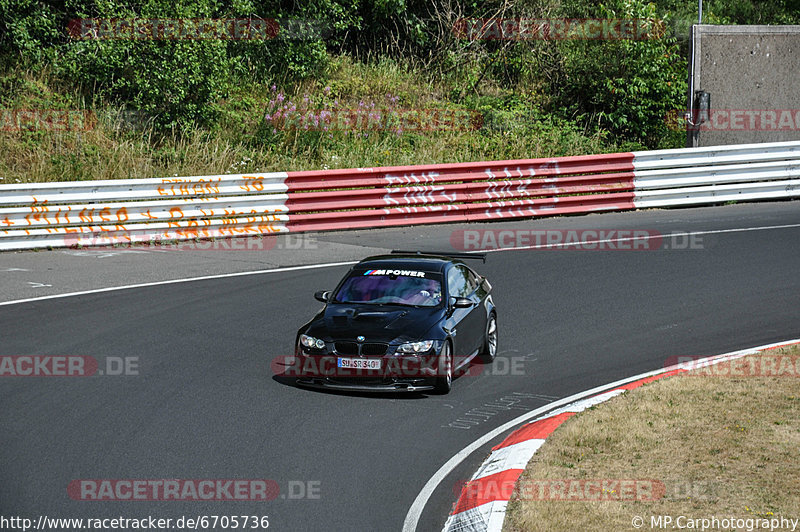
x=376, y=323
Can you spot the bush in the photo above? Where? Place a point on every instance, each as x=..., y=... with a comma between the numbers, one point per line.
x=625, y=86
x=176, y=82
x=28, y=30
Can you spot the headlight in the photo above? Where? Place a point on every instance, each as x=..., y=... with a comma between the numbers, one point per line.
x=416, y=347
x=310, y=341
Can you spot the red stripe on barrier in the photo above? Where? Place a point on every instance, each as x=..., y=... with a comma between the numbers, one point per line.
x=538, y=430
x=553, y=162
x=455, y=193
x=458, y=192
x=496, y=487
x=463, y=212
x=369, y=223
x=485, y=170
x=528, y=208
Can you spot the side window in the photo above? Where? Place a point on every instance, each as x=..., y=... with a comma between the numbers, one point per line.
x=461, y=282
x=453, y=283
x=472, y=279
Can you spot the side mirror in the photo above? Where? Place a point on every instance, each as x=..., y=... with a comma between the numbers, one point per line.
x=462, y=302
x=322, y=295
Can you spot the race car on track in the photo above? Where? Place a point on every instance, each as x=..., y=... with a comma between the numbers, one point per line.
x=407, y=321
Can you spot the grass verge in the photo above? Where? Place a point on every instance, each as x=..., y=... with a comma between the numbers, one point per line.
x=122, y=144
x=719, y=445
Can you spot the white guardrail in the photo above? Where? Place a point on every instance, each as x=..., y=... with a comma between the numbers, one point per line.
x=90, y=213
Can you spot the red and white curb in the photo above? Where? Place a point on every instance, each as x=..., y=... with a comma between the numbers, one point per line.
x=484, y=498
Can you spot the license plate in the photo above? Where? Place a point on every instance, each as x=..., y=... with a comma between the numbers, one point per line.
x=359, y=363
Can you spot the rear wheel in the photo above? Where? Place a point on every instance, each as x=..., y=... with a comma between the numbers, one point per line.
x=489, y=350
x=444, y=371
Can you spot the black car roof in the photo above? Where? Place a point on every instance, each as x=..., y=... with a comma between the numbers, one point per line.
x=427, y=263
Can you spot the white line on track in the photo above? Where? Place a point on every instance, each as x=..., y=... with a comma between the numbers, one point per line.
x=347, y=263
x=176, y=281
x=414, y=513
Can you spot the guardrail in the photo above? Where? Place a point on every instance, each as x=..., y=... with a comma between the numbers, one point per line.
x=90, y=213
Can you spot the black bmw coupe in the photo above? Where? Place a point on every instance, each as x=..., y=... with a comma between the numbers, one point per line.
x=407, y=321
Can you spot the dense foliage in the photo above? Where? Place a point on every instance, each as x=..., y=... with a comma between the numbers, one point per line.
x=622, y=87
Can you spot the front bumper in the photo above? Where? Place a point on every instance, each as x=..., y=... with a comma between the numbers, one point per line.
x=397, y=373
x=383, y=387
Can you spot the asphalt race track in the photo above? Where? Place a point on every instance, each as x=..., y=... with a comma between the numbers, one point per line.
x=205, y=403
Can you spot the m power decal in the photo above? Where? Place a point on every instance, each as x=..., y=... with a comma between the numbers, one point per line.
x=403, y=273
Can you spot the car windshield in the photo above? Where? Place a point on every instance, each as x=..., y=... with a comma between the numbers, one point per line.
x=391, y=287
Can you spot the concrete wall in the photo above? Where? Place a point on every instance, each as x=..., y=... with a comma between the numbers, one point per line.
x=753, y=76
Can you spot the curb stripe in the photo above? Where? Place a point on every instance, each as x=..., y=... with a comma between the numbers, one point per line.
x=488, y=516
x=483, y=500
x=583, y=404
x=511, y=457
x=488, y=489
x=537, y=429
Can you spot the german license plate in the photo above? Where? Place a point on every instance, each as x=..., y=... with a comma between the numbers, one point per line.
x=359, y=363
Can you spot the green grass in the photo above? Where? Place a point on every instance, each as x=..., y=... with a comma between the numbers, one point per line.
x=122, y=145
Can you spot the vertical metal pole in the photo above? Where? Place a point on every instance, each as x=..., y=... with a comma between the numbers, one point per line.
x=691, y=139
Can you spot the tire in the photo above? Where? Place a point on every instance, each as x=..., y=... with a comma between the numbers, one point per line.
x=489, y=349
x=444, y=381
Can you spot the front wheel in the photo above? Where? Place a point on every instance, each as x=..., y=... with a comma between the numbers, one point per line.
x=489, y=350
x=444, y=371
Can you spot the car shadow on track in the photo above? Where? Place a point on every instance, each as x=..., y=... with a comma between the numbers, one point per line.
x=292, y=382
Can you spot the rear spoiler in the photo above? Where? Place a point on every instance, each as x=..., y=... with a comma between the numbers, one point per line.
x=473, y=256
